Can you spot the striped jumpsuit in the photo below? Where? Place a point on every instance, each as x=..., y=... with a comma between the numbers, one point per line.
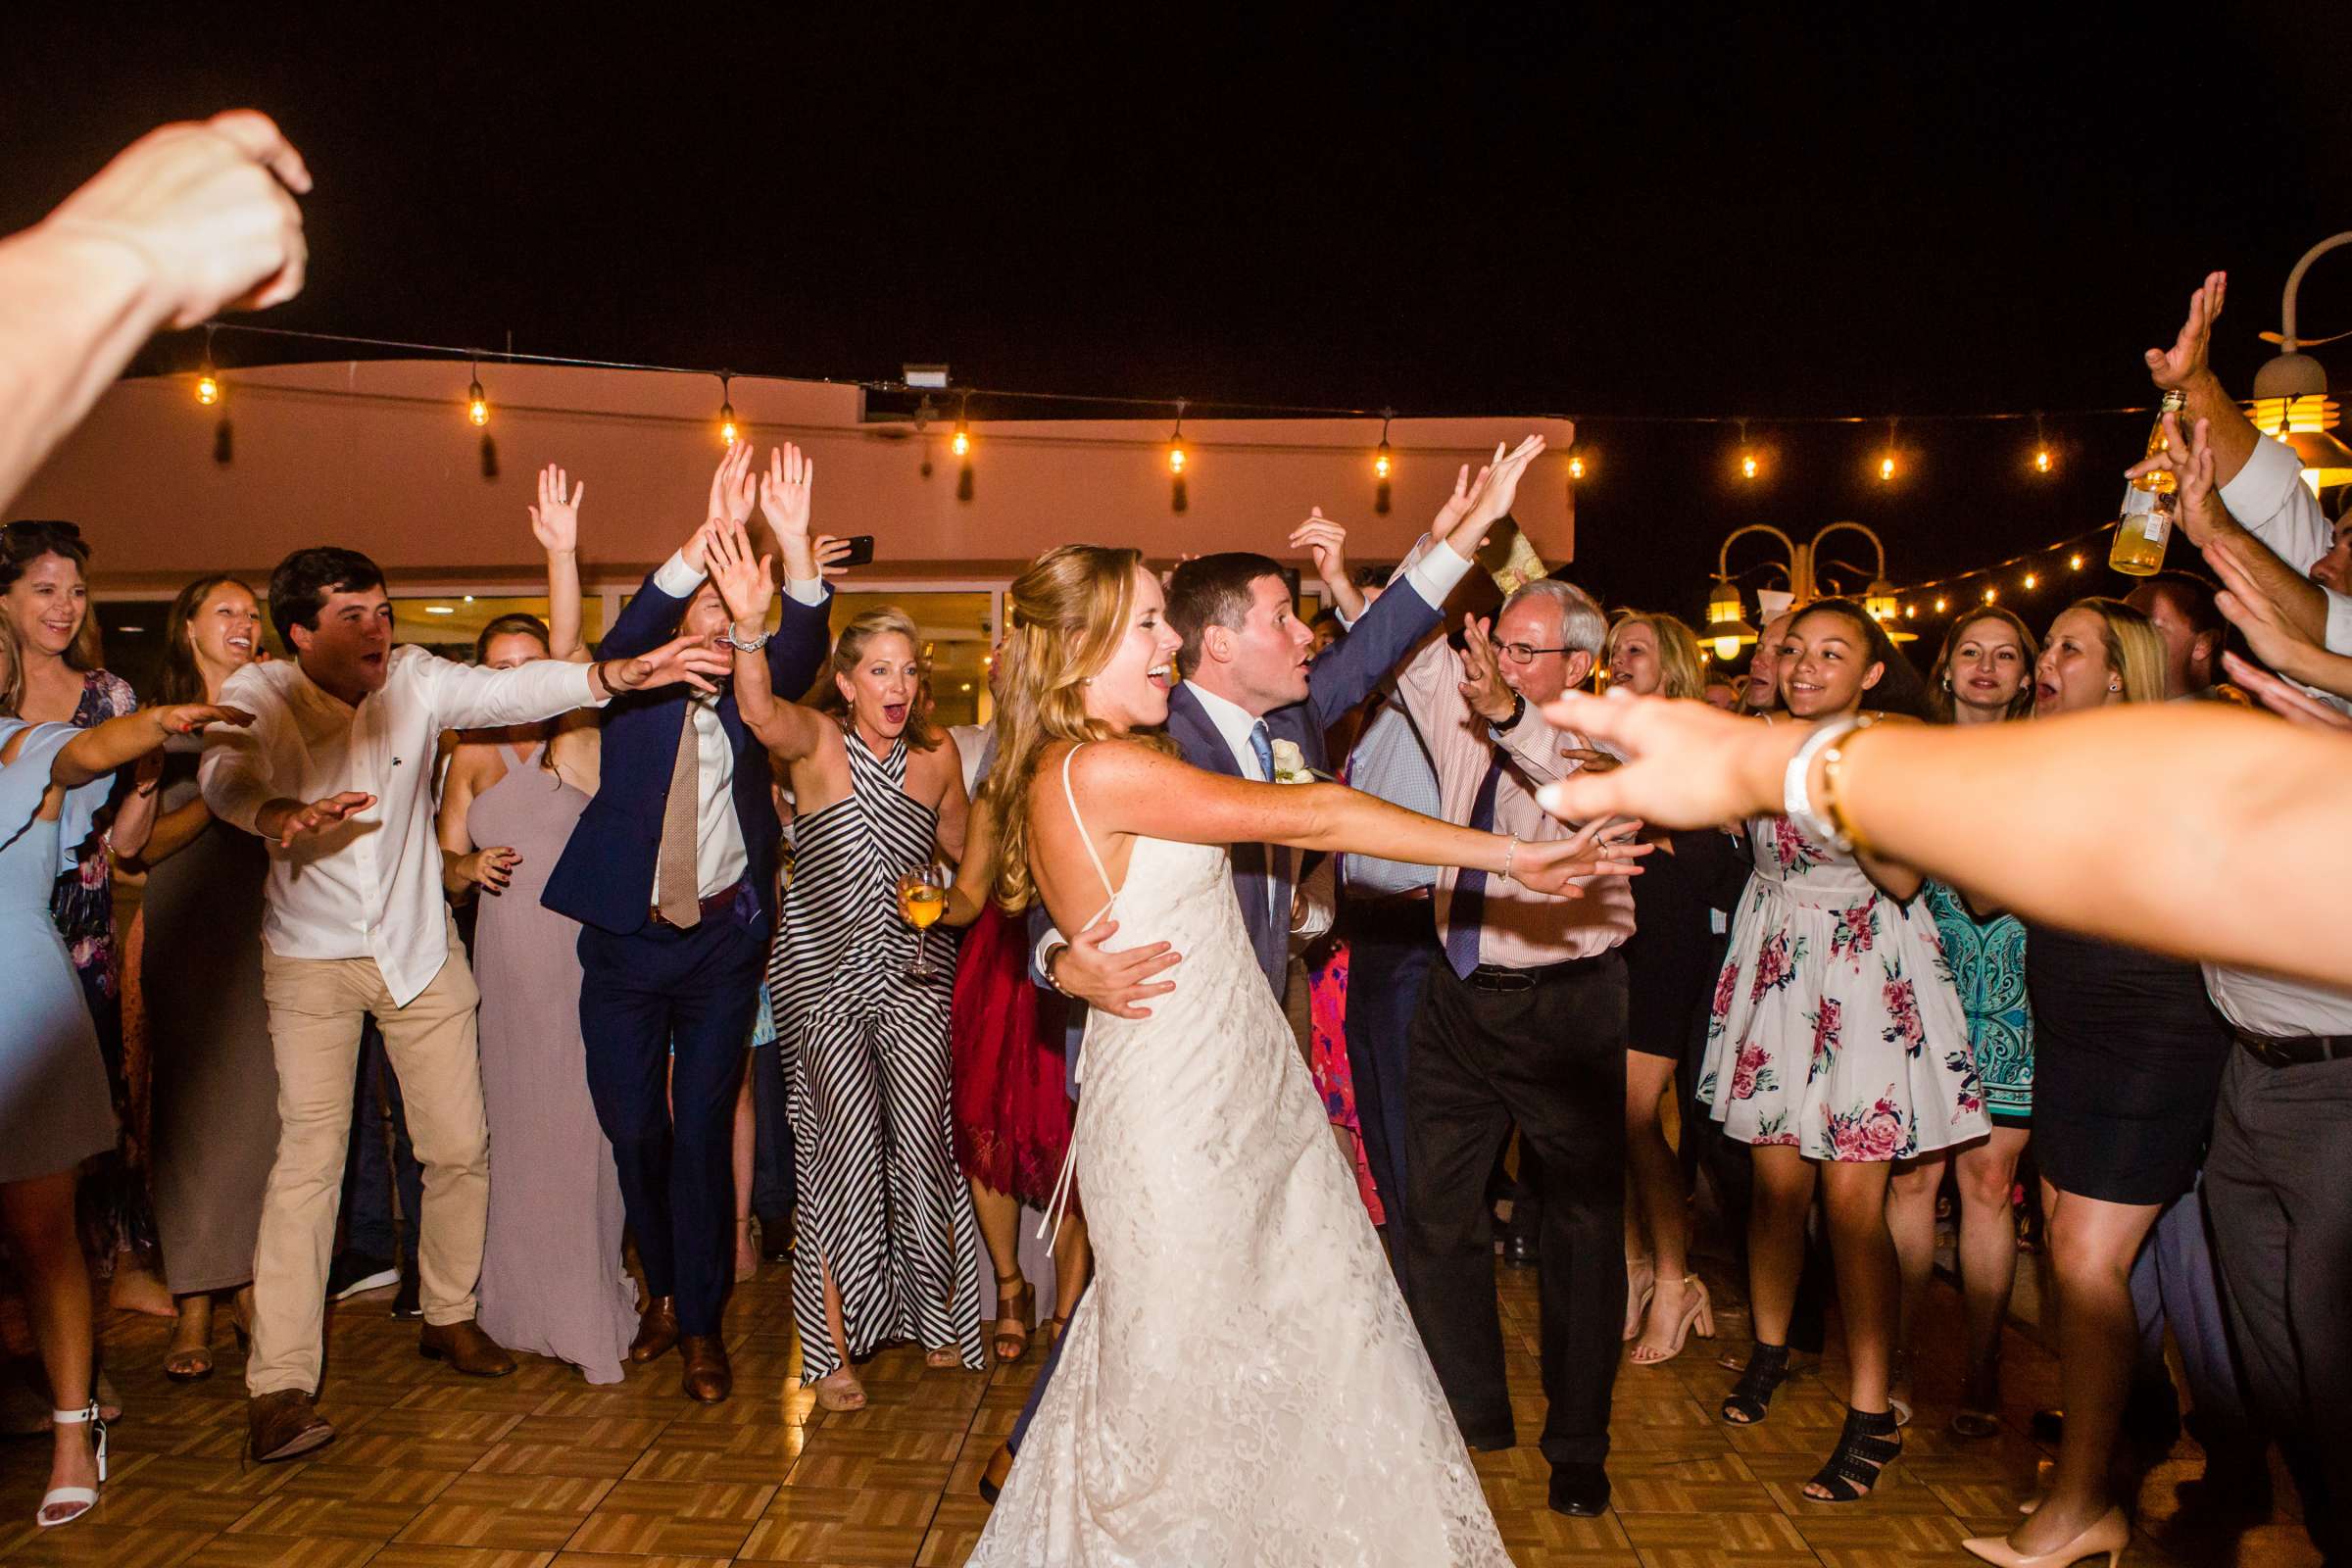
x=866, y=1069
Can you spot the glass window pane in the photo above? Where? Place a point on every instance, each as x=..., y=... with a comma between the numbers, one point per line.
x=448, y=624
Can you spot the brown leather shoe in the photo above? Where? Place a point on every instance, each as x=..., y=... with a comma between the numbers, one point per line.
x=285, y=1424
x=998, y=1471
x=657, y=1330
x=707, y=1379
x=466, y=1347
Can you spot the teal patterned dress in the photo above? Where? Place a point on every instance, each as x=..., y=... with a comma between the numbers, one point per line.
x=1989, y=966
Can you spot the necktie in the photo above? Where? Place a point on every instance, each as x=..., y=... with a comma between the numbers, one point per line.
x=1261, y=747
x=677, y=887
x=1470, y=885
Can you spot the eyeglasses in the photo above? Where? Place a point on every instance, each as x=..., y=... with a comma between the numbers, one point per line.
x=1522, y=654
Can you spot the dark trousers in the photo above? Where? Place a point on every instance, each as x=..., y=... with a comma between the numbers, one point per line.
x=2176, y=1284
x=641, y=996
x=2282, y=1214
x=1391, y=944
x=771, y=1139
x=1551, y=1058
x=380, y=1158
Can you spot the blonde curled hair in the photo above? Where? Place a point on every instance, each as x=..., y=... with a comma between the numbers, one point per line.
x=850, y=648
x=1066, y=613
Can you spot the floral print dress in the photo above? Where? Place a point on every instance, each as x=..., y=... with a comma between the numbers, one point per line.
x=1835, y=1028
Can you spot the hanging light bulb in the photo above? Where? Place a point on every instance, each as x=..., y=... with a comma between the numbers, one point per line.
x=962, y=443
x=1992, y=594
x=477, y=404
x=1576, y=466
x=207, y=381
x=1176, y=456
x=2042, y=459
x=2032, y=581
x=2073, y=563
x=1910, y=611
x=1380, y=459
x=1887, y=462
x=727, y=431
x=1940, y=606
x=1749, y=464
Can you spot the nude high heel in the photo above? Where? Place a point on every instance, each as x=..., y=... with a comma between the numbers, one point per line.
x=1699, y=1312
x=2110, y=1534
x=1640, y=1284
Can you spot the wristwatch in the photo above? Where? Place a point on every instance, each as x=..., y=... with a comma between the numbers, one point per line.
x=742, y=647
x=1046, y=966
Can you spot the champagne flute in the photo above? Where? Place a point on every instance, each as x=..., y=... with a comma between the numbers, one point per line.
x=922, y=900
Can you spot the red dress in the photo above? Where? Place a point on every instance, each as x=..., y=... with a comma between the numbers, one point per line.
x=1008, y=1099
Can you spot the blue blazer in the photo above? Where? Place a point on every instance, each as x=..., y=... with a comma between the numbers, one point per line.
x=1345, y=675
x=606, y=876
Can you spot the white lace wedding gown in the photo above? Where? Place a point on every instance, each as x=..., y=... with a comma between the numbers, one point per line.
x=1242, y=1384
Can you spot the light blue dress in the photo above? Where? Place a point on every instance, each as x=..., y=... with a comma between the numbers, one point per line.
x=55, y=1109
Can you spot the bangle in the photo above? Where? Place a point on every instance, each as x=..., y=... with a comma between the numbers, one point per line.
x=1797, y=800
x=1510, y=857
x=603, y=672
x=1833, y=792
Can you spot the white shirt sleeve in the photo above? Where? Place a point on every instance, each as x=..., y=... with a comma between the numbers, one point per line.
x=1436, y=571
x=471, y=697
x=234, y=772
x=676, y=578
x=2271, y=501
x=811, y=594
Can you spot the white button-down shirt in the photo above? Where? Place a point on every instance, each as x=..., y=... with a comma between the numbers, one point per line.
x=2271, y=501
x=719, y=858
x=370, y=886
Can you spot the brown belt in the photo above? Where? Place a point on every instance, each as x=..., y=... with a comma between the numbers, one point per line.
x=715, y=904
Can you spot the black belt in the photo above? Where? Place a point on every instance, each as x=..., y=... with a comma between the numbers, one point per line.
x=2295, y=1050
x=1498, y=977
x=717, y=904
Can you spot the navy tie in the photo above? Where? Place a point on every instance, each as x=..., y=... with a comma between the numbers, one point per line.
x=1278, y=857
x=1261, y=747
x=1470, y=884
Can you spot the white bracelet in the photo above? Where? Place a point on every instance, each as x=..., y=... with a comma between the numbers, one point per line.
x=1796, y=796
x=1510, y=857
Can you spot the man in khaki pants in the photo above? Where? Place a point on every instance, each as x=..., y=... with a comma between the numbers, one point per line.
x=356, y=927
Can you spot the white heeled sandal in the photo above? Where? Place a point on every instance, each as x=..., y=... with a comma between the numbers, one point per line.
x=87, y=1496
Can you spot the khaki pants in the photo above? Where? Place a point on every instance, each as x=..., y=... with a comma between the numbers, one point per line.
x=315, y=1009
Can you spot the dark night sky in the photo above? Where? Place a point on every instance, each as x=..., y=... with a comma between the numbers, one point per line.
x=1581, y=210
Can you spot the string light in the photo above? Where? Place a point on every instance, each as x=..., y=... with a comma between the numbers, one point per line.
x=1886, y=463
x=1176, y=454
x=2073, y=563
x=1940, y=606
x=2031, y=583
x=207, y=381
x=1910, y=611
x=726, y=411
x=1575, y=467
x=961, y=444
x=1749, y=466
x=2041, y=448
x=1992, y=594
x=1380, y=459
x=477, y=405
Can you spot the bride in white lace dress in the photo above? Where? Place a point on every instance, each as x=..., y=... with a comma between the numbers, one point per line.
x=1242, y=1384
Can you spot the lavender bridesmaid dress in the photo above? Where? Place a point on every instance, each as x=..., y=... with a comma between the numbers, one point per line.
x=551, y=1277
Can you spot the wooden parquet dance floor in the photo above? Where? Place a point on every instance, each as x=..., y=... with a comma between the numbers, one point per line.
x=432, y=1470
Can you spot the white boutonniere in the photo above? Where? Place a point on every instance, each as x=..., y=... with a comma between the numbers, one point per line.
x=1289, y=764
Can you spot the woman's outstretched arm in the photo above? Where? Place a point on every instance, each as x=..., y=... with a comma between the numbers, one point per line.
x=2193, y=829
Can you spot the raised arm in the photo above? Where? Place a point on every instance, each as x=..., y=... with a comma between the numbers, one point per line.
x=2194, y=464
x=556, y=525
x=2241, y=860
x=804, y=634
x=189, y=220
x=746, y=585
x=1327, y=543
x=2187, y=367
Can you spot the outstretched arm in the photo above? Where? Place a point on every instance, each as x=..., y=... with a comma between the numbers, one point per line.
x=746, y=585
x=2242, y=861
x=189, y=220
x=100, y=750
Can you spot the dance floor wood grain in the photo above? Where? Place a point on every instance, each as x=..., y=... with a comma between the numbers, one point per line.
x=434, y=1471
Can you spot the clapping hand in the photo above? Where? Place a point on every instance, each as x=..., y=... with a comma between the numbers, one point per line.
x=746, y=583
x=556, y=520
x=1483, y=687
x=1602, y=848
x=1487, y=501
x=2173, y=368
x=489, y=869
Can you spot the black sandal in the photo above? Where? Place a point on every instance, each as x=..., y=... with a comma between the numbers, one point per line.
x=1868, y=1444
x=1751, y=1396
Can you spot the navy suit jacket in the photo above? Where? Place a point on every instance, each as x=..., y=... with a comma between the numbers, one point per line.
x=606, y=876
x=1345, y=675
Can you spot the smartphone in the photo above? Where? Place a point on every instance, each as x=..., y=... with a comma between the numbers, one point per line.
x=861, y=551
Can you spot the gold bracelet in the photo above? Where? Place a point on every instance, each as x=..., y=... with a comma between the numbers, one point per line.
x=1832, y=795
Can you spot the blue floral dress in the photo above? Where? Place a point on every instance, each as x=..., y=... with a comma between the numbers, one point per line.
x=1835, y=1028
x=1988, y=966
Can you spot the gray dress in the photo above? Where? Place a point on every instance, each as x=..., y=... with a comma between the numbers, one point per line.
x=54, y=1108
x=208, y=1036
x=552, y=1276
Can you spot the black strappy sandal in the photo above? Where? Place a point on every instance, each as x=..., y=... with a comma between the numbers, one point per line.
x=1751, y=1396
x=1866, y=1446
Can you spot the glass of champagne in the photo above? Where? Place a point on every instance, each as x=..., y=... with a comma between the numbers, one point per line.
x=922, y=900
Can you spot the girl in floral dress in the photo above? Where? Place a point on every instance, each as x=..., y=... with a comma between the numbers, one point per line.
x=1835, y=1046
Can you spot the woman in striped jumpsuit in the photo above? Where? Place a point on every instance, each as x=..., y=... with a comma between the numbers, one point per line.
x=886, y=1248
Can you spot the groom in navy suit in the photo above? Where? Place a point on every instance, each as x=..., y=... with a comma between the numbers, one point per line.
x=1250, y=688
x=671, y=873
